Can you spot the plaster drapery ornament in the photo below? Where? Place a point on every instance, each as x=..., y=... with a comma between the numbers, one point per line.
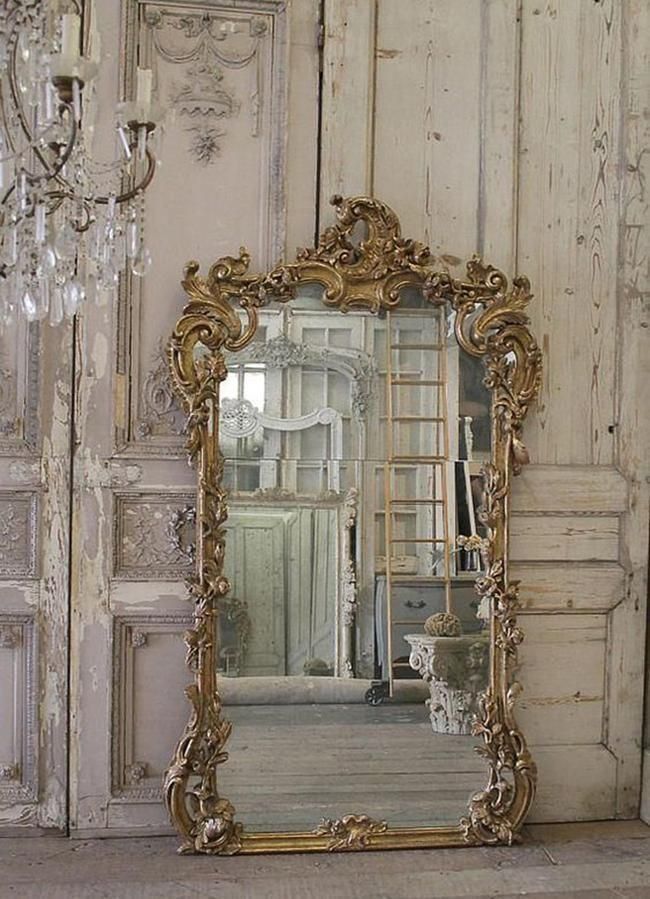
x=208, y=44
x=222, y=316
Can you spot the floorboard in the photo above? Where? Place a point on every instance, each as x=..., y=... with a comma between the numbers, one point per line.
x=608, y=860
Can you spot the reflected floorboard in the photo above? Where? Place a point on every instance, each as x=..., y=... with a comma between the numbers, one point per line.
x=291, y=766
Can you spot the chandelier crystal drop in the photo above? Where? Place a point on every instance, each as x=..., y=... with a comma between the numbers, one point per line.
x=69, y=224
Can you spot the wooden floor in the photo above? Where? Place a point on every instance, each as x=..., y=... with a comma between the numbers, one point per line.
x=291, y=766
x=587, y=861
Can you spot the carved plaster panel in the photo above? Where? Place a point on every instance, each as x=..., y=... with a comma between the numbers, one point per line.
x=160, y=411
x=18, y=719
x=18, y=530
x=146, y=543
x=206, y=46
x=147, y=652
x=219, y=71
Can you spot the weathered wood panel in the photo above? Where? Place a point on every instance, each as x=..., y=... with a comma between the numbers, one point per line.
x=499, y=132
x=626, y=664
x=563, y=702
x=568, y=219
x=576, y=783
x=427, y=132
x=565, y=538
x=348, y=100
x=569, y=586
x=570, y=488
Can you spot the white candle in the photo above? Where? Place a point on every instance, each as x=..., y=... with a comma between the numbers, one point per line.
x=70, y=29
x=94, y=38
x=143, y=88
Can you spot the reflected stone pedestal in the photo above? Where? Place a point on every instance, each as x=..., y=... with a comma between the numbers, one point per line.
x=456, y=670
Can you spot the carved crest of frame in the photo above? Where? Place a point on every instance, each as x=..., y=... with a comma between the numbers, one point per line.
x=491, y=323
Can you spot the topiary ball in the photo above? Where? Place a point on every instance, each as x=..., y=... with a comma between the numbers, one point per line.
x=443, y=624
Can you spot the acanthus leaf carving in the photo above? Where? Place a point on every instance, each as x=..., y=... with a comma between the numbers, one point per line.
x=9, y=772
x=18, y=534
x=492, y=814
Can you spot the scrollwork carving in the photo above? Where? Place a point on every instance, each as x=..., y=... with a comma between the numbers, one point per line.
x=221, y=315
x=491, y=322
x=161, y=413
x=18, y=534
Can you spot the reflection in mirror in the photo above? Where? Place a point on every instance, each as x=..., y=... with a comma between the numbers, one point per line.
x=353, y=447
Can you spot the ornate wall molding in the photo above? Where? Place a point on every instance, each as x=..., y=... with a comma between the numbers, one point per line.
x=145, y=536
x=18, y=705
x=133, y=779
x=225, y=61
x=19, y=393
x=18, y=534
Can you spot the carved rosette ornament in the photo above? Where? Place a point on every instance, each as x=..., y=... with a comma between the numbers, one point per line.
x=221, y=316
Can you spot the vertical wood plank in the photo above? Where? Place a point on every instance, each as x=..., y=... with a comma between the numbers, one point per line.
x=302, y=124
x=347, y=100
x=500, y=48
x=428, y=112
x=627, y=662
x=568, y=219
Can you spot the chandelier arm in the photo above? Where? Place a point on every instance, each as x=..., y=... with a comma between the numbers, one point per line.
x=139, y=188
x=50, y=173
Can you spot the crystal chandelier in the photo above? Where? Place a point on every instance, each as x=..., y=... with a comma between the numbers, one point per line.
x=69, y=225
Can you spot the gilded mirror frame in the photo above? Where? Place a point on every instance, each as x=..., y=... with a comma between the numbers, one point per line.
x=490, y=323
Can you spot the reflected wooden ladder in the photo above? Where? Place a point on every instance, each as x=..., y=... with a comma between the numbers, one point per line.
x=417, y=443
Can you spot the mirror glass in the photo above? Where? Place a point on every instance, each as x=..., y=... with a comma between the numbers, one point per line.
x=352, y=646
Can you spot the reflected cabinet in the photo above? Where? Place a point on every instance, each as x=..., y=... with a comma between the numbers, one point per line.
x=355, y=418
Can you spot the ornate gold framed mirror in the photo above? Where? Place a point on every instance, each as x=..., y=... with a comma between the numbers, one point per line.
x=355, y=626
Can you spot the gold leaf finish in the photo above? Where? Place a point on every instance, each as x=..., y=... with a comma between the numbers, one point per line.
x=351, y=831
x=368, y=271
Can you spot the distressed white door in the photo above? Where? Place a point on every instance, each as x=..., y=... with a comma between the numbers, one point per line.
x=35, y=390
x=239, y=79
